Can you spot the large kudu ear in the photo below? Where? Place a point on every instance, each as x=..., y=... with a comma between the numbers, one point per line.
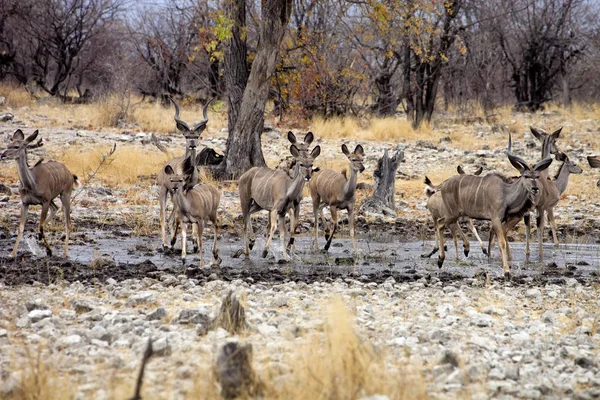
x=538, y=133
x=518, y=163
x=594, y=161
x=460, y=170
x=32, y=137
x=478, y=171
x=181, y=125
x=294, y=151
x=315, y=152
x=556, y=133
x=308, y=138
x=18, y=135
x=542, y=165
x=358, y=150
x=560, y=156
x=345, y=149
x=291, y=137
x=169, y=170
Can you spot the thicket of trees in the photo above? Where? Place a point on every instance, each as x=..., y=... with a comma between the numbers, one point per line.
x=326, y=57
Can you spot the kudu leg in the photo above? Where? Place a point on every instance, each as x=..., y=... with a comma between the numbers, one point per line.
x=316, y=210
x=162, y=202
x=437, y=241
x=24, y=212
x=273, y=219
x=246, y=225
x=527, y=222
x=281, y=223
x=351, y=223
x=474, y=232
x=174, y=235
x=292, y=243
x=540, y=233
x=199, y=231
x=215, y=250
x=497, y=226
x=183, y=241
x=440, y=234
x=465, y=239
x=42, y=236
x=452, y=228
x=66, y=203
x=553, y=226
x=334, y=223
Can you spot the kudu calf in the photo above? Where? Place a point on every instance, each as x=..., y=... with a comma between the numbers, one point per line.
x=192, y=138
x=594, y=162
x=493, y=198
x=193, y=204
x=435, y=205
x=288, y=166
x=274, y=191
x=39, y=186
x=336, y=190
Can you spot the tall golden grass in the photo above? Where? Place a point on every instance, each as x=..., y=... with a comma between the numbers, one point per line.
x=16, y=96
x=124, y=167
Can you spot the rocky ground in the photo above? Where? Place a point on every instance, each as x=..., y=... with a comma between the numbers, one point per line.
x=83, y=323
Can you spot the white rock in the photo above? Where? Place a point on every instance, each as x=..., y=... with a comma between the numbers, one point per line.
x=68, y=341
x=37, y=315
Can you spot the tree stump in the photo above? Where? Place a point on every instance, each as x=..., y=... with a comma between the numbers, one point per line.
x=382, y=199
x=234, y=371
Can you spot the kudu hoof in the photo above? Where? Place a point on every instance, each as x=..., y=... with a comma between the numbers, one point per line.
x=445, y=247
x=466, y=251
x=183, y=261
x=251, y=244
x=264, y=253
x=432, y=252
x=440, y=262
x=48, y=252
x=173, y=241
x=485, y=252
x=326, y=248
x=195, y=249
x=507, y=276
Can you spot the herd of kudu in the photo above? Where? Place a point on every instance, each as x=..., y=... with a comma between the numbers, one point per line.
x=504, y=201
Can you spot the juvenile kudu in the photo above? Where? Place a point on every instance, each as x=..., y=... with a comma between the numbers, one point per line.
x=338, y=191
x=274, y=191
x=193, y=204
x=39, y=186
x=288, y=166
x=192, y=138
x=492, y=197
x=594, y=162
x=435, y=205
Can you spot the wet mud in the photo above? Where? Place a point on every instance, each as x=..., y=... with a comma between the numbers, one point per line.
x=97, y=255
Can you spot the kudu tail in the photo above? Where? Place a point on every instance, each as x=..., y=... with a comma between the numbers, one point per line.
x=76, y=183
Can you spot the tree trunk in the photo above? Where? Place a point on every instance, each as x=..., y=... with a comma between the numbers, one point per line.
x=243, y=143
x=382, y=200
x=386, y=102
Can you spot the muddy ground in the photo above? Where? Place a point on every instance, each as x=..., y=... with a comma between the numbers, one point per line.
x=96, y=255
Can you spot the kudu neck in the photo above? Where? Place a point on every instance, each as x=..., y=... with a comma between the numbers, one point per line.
x=297, y=183
x=517, y=196
x=562, y=178
x=25, y=176
x=350, y=185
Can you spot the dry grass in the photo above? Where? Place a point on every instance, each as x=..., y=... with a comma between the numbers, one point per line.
x=127, y=163
x=16, y=96
x=376, y=129
x=40, y=379
x=340, y=365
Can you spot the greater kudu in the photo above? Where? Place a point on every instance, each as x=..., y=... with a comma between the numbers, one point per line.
x=594, y=162
x=336, y=190
x=193, y=204
x=39, y=186
x=192, y=137
x=274, y=191
x=492, y=197
x=435, y=205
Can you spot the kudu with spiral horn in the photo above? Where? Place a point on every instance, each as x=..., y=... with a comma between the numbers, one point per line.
x=192, y=138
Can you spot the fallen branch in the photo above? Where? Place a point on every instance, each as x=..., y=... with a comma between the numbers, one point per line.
x=105, y=159
x=145, y=358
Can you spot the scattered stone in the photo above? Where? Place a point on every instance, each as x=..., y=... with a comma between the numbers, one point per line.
x=191, y=316
x=6, y=117
x=584, y=362
x=81, y=306
x=161, y=347
x=37, y=315
x=449, y=357
x=68, y=341
x=137, y=299
x=157, y=314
